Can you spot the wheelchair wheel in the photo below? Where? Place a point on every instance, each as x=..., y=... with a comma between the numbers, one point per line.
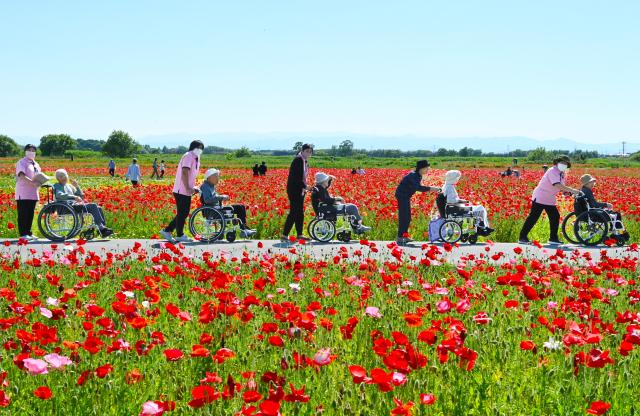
x=590, y=227
x=450, y=231
x=58, y=222
x=568, y=228
x=473, y=238
x=322, y=230
x=207, y=223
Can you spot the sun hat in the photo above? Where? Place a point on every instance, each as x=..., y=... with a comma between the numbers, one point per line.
x=321, y=177
x=211, y=172
x=586, y=178
x=452, y=176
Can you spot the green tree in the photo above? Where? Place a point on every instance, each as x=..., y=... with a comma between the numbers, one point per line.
x=539, y=154
x=345, y=148
x=56, y=144
x=8, y=147
x=242, y=152
x=297, y=146
x=120, y=144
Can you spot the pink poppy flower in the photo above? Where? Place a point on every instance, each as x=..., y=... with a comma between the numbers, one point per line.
x=35, y=366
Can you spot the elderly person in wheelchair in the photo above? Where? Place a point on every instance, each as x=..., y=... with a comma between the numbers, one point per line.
x=210, y=197
x=323, y=201
x=455, y=205
x=70, y=193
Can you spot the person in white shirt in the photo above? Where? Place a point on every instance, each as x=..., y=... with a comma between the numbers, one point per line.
x=451, y=178
x=133, y=173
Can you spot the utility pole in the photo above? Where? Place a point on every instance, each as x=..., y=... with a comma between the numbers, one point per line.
x=623, y=143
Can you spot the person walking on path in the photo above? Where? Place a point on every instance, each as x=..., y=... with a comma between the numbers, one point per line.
x=184, y=188
x=296, y=190
x=544, y=199
x=27, y=191
x=133, y=173
x=409, y=185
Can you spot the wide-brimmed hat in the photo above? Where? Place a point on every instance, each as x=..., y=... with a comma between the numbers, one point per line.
x=586, y=178
x=452, y=176
x=321, y=177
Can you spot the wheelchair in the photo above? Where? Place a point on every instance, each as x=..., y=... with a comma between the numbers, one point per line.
x=331, y=221
x=211, y=223
x=58, y=221
x=591, y=226
x=459, y=222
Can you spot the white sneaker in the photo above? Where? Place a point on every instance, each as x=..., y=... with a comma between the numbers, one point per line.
x=247, y=232
x=167, y=236
x=25, y=237
x=183, y=239
x=33, y=238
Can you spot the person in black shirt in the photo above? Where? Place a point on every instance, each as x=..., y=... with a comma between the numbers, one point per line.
x=588, y=182
x=255, y=169
x=262, y=169
x=296, y=189
x=409, y=185
x=320, y=194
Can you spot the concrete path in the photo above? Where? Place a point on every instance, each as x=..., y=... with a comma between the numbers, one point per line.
x=382, y=250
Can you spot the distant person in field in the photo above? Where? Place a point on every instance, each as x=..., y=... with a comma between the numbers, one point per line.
x=409, y=185
x=184, y=188
x=256, y=170
x=112, y=168
x=162, y=169
x=27, y=191
x=296, y=189
x=262, y=169
x=545, y=168
x=544, y=199
x=133, y=172
x=360, y=171
x=155, y=169
x=354, y=171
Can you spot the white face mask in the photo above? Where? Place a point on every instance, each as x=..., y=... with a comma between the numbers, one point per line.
x=197, y=152
x=30, y=154
x=562, y=167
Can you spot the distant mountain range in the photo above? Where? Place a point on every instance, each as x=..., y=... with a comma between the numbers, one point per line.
x=285, y=141
x=280, y=141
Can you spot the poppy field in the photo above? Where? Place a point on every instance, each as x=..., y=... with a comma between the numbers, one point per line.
x=267, y=334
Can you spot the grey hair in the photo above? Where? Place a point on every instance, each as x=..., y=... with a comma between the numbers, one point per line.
x=61, y=173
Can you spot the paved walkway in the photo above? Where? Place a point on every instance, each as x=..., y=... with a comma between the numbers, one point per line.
x=496, y=252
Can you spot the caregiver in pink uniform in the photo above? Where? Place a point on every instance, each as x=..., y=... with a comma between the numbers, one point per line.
x=183, y=188
x=544, y=199
x=27, y=191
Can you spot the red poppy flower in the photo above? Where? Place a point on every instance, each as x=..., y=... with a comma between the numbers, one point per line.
x=598, y=408
x=42, y=392
x=173, y=354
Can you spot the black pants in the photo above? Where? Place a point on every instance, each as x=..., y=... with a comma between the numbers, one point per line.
x=95, y=211
x=404, y=215
x=534, y=215
x=155, y=173
x=134, y=183
x=26, y=211
x=161, y=174
x=183, y=206
x=296, y=213
x=241, y=212
x=112, y=172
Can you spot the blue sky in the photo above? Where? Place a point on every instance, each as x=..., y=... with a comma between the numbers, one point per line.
x=544, y=69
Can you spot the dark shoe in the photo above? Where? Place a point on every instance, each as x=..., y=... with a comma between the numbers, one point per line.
x=106, y=232
x=524, y=241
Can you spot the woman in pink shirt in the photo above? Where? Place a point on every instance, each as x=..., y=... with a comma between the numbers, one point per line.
x=27, y=191
x=544, y=199
x=183, y=188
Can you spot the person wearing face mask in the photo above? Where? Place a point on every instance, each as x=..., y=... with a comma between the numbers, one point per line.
x=544, y=199
x=296, y=189
x=27, y=191
x=183, y=188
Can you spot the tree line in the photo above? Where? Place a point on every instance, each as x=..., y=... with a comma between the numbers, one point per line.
x=120, y=144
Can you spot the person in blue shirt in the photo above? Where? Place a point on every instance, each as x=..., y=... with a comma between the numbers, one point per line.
x=409, y=185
